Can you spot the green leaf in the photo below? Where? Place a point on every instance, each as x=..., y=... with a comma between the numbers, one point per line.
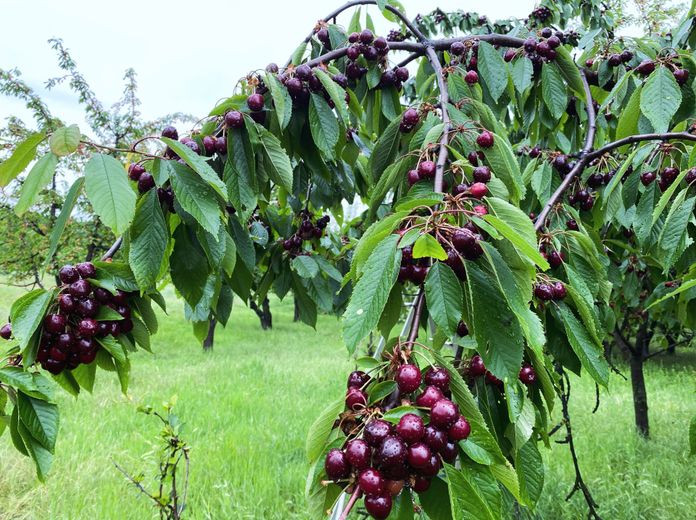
x=373, y=236
x=197, y=197
x=62, y=220
x=435, y=501
x=443, y=295
x=39, y=176
x=530, y=470
x=278, y=163
x=336, y=93
x=65, y=140
x=41, y=456
x=27, y=314
x=239, y=171
x=553, y=90
x=24, y=381
x=468, y=500
x=379, y=391
x=517, y=227
x=323, y=125
x=660, y=98
x=371, y=292
x=199, y=165
x=40, y=418
x=628, y=119
x=281, y=100
x=493, y=69
x=149, y=239
x=320, y=429
x=385, y=149
x=502, y=161
x=114, y=348
x=107, y=188
x=674, y=230
x=305, y=266
x=683, y=287
x=390, y=179
x=522, y=74
x=591, y=354
x=427, y=246
x=569, y=70
x=20, y=158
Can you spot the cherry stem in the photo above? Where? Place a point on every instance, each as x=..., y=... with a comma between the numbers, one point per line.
x=353, y=498
x=418, y=310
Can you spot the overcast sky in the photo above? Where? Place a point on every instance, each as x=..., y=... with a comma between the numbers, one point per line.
x=187, y=55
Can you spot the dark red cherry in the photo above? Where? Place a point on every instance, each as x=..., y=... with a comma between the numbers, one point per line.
x=429, y=397
x=87, y=327
x=358, y=379
x=426, y=169
x=392, y=452
x=378, y=506
x=559, y=291
x=336, y=464
x=410, y=428
x=68, y=274
x=418, y=455
x=432, y=468
x=54, y=323
x=485, y=139
x=358, y=453
x=478, y=190
x=6, y=331
x=460, y=430
x=80, y=288
x=449, y=452
x=408, y=378
x=420, y=484
x=87, y=307
x=527, y=374
x=356, y=399
x=66, y=303
x=371, y=482
x=234, y=119
x=443, y=414
x=376, y=431
x=255, y=102
x=439, y=377
x=476, y=366
x=435, y=438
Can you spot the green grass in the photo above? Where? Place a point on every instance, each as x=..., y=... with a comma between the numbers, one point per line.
x=248, y=405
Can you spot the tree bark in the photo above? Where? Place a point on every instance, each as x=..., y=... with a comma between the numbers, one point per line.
x=210, y=338
x=640, y=395
x=296, y=316
x=264, y=313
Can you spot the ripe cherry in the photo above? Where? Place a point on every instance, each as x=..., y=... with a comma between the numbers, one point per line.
x=85, y=344
x=681, y=75
x=392, y=452
x=572, y=225
x=432, y=468
x=429, y=397
x=87, y=327
x=54, y=323
x=135, y=170
x=543, y=291
x=410, y=428
x=402, y=74
x=209, y=144
x=356, y=399
x=255, y=102
x=647, y=178
x=408, y=378
x=68, y=274
x=464, y=240
x=371, y=482
x=358, y=453
x=379, y=506
x=420, y=484
x=87, y=307
x=478, y=190
x=336, y=464
x=462, y=329
x=66, y=303
x=418, y=455
x=366, y=36
x=459, y=189
x=146, y=182
x=555, y=258
x=443, y=414
x=457, y=48
x=482, y=174
x=485, y=139
x=476, y=366
x=80, y=288
x=645, y=67
x=559, y=291
x=435, y=438
x=234, y=119
x=460, y=430
x=376, y=431
x=527, y=374
x=449, y=452
x=438, y=377
x=102, y=295
x=170, y=132
x=6, y=331
x=410, y=117
x=358, y=379
x=352, y=53
x=412, y=177
x=54, y=366
x=471, y=77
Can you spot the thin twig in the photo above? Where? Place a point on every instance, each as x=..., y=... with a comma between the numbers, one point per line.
x=113, y=249
x=415, y=324
x=353, y=498
x=137, y=484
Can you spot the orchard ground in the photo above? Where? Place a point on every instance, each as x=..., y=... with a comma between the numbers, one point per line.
x=247, y=407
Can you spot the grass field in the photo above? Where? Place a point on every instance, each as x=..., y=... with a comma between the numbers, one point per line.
x=248, y=405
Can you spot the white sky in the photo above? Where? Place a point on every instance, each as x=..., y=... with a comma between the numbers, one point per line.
x=187, y=55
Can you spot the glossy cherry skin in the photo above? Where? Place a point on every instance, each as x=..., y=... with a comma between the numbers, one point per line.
x=485, y=139
x=86, y=269
x=438, y=377
x=6, y=331
x=358, y=379
x=87, y=327
x=80, y=288
x=376, y=431
x=410, y=117
x=68, y=274
x=87, y=307
x=378, y=506
x=443, y=414
x=476, y=366
x=54, y=323
x=410, y=428
x=392, y=452
x=356, y=399
x=336, y=464
x=421, y=484
x=527, y=374
x=460, y=430
x=432, y=467
x=429, y=397
x=371, y=482
x=66, y=303
x=358, y=453
x=408, y=378
x=255, y=102
x=436, y=439
x=418, y=455
x=449, y=452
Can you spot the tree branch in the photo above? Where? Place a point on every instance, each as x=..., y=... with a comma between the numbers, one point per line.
x=353, y=498
x=669, y=136
x=582, y=161
x=417, y=312
x=113, y=249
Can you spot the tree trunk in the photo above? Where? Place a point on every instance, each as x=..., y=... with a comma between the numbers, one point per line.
x=210, y=338
x=672, y=348
x=640, y=395
x=296, y=317
x=264, y=313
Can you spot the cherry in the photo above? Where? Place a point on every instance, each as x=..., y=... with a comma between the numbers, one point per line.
x=65, y=341
x=560, y=163
x=555, y=258
x=438, y=377
x=6, y=331
x=647, y=178
x=572, y=225
x=546, y=32
x=170, y=132
x=419, y=274
x=86, y=269
x=534, y=152
x=54, y=366
x=336, y=464
x=366, y=36
x=88, y=357
x=645, y=67
x=478, y=190
x=443, y=414
x=255, y=102
x=681, y=75
x=587, y=204
x=457, y=48
x=135, y=170
x=543, y=291
x=120, y=297
x=54, y=323
x=408, y=378
x=294, y=86
x=485, y=139
x=87, y=307
x=595, y=180
x=449, y=452
x=460, y=189
x=463, y=240
x=473, y=158
x=481, y=210
x=559, y=291
x=412, y=177
x=690, y=176
x=670, y=174
x=554, y=42
x=420, y=484
x=323, y=36
x=303, y=72
x=85, y=344
x=410, y=428
x=371, y=482
x=426, y=169
x=626, y=56
x=471, y=77
x=381, y=44
x=358, y=379
x=193, y=145
x=429, y=397
x=402, y=74
x=530, y=45
x=392, y=451
x=209, y=144
x=418, y=455
x=125, y=326
x=379, y=506
x=370, y=53
x=388, y=78
x=432, y=468
x=482, y=174
x=527, y=374
x=87, y=327
x=509, y=55
x=460, y=430
x=462, y=329
x=356, y=399
x=146, y=183
x=614, y=60
x=68, y=274
x=358, y=453
x=353, y=53
x=397, y=472
x=410, y=117
x=476, y=366
x=66, y=303
x=234, y=119
x=435, y=438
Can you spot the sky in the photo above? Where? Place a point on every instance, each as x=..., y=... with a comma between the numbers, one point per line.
x=186, y=55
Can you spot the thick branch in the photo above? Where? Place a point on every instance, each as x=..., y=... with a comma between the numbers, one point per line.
x=582, y=161
x=669, y=136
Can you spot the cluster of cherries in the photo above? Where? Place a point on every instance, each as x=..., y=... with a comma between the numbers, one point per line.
x=540, y=49
x=68, y=336
x=548, y=291
x=541, y=13
x=381, y=458
x=460, y=55
x=667, y=177
x=302, y=81
x=307, y=230
x=478, y=369
x=365, y=44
